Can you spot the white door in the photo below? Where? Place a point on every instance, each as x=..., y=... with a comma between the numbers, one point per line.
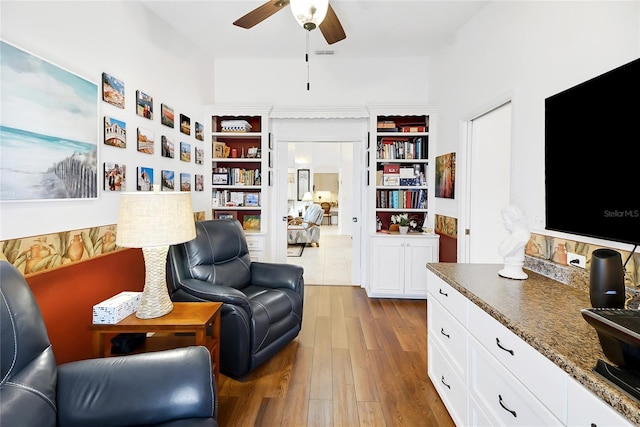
x=488, y=172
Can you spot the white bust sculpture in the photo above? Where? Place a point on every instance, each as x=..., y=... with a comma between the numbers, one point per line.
x=512, y=247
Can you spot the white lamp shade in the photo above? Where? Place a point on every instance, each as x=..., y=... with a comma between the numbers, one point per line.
x=149, y=219
x=309, y=13
x=307, y=197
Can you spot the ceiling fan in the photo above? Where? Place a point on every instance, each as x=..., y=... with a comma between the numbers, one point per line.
x=309, y=13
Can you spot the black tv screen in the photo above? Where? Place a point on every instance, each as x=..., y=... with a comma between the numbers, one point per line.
x=592, y=166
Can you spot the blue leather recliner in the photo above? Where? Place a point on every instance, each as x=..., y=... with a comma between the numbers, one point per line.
x=169, y=388
x=262, y=302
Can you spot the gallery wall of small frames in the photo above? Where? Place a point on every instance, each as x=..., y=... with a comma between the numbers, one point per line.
x=144, y=135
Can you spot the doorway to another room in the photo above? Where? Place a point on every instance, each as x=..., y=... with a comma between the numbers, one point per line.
x=327, y=264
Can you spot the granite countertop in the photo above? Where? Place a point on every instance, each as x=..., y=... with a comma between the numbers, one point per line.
x=545, y=314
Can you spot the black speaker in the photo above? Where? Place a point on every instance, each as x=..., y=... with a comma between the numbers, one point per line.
x=606, y=286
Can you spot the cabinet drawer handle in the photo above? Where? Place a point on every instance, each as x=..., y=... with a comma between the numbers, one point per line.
x=443, y=293
x=505, y=408
x=442, y=332
x=445, y=384
x=503, y=348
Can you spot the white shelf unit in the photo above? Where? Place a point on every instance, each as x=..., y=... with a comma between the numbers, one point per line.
x=399, y=172
x=399, y=181
x=239, y=174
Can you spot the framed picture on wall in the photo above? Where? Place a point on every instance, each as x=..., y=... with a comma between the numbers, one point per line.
x=185, y=124
x=115, y=132
x=185, y=182
x=446, y=176
x=114, y=176
x=185, y=152
x=199, y=153
x=50, y=121
x=199, y=131
x=303, y=182
x=145, y=179
x=146, y=139
x=199, y=182
x=168, y=181
x=144, y=105
x=167, y=117
x=167, y=145
x=112, y=90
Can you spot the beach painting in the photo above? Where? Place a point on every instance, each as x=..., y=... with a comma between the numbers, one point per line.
x=48, y=130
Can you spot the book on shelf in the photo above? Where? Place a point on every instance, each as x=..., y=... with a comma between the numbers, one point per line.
x=413, y=128
x=402, y=148
x=401, y=199
x=386, y=126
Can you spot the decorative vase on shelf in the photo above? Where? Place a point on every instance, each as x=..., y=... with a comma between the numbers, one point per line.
x=403, y=229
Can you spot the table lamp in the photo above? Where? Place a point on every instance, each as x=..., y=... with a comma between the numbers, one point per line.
x=307, y=197
x=153, y=221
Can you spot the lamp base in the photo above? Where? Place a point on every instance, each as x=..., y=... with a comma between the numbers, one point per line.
x=155, y=301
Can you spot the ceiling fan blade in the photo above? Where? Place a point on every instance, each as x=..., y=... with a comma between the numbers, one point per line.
x=261, y=13
x=332, y=28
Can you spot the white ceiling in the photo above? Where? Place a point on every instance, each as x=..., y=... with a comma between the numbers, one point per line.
x=390, y=28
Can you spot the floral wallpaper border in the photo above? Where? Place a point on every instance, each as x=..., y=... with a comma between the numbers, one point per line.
x=555, y=250
x=36, y=254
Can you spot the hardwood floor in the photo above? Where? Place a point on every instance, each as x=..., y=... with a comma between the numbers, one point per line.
x=357, y=362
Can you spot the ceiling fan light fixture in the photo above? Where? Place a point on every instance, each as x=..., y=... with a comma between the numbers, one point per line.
x=309, y=13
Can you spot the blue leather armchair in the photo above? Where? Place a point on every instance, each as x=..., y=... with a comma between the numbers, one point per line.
x=164, y=388
x=262, y=302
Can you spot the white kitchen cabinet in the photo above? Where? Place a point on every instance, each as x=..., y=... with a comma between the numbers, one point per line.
x=506, y=381
x=399, y=265
x=539, y=375
x=447, y=347
x=586, y=409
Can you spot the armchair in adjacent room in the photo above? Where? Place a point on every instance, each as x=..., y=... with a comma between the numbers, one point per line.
x=262, y=302
x=306, y=230
x=168, y=388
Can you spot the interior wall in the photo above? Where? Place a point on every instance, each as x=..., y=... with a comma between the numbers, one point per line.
x=134, y=45
x=530, y=50
x=334, y=81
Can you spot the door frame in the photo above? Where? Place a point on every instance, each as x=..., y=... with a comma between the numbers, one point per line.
x=318, y=126
x=465, y=163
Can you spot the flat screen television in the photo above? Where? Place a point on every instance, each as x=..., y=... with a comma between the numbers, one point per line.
x=592, y=166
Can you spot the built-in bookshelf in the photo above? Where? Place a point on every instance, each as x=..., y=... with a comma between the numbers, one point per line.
x=401, y=168
x=237, y=165
x=398, y=176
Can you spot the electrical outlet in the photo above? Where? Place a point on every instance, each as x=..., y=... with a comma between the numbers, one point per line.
x=576, y=260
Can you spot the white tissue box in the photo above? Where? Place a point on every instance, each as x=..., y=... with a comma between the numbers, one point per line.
x=116, y=308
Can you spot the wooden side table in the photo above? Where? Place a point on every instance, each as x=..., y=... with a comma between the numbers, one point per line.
x=187, y=320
